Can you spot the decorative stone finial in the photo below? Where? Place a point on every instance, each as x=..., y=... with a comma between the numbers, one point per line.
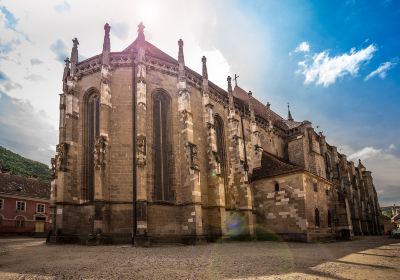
x=141, y=27
x=181, y=61
x=75, y=42
x=268, y=105
x=106, y=45
x=107, y=28
x=229, y=79
x=74, y=56
x=205, y=73
x=250, y=93
x=181, y=58
x=66, y=62
x=290, y=118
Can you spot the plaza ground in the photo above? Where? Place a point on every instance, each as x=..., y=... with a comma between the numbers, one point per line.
x=363, y=258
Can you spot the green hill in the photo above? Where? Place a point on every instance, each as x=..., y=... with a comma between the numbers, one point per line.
x=21, y=166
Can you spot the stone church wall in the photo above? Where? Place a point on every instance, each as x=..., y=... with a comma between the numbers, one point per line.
x=290, y=212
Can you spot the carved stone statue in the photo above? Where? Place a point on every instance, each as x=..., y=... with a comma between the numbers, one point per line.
x=100, y=152
x=61, y=159
x=141, y=150
x=194, y=158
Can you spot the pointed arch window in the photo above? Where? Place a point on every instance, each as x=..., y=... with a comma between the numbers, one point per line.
x=92, y=131
x=317, y=222
x=328, y=166
x=329, y=218
x=162, y=154
x=277, y=187
x=221, y=152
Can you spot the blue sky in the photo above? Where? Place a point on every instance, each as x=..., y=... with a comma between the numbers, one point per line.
x=336, y=62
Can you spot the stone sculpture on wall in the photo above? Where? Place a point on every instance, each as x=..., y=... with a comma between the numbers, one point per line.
x=100, y=152
x=141, y=150
x=61, y=159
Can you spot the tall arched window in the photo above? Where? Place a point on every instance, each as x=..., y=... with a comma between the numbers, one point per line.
x=161, y=104
x=328, y=165
x=329, y=218
x=221, y=153
x=317, y=223
x=92, y=128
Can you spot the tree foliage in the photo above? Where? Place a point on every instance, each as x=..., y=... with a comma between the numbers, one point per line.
x=21, y=166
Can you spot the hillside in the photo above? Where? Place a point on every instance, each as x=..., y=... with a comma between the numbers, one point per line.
x=21, y=166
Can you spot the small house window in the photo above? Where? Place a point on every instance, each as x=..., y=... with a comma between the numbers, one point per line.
x=1, y=203
x=21, y=205
x=317, y=224
x=40, y=208
x=19, y=223
x=327, y=192
x=315, y=187
x=277, y=187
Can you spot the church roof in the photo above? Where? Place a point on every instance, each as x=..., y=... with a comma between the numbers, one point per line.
x=292, y=124
x=21, y=186
x=260, y=109
x=272, y=165
x=152, y=51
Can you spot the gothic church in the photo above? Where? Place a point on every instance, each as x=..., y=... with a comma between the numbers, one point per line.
x=151, y=151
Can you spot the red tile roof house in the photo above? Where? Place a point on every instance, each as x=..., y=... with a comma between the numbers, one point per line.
x=24, y=205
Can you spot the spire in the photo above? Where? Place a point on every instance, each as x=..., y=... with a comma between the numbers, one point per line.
x=140, y=36
x=290, y=118
x=230, y=93
x=205, y=74
x=74, y=56
x=65, y=74
x=235, y=78
x=252, y=115
x=181, y=60
x=106, y=45
x=229, y=79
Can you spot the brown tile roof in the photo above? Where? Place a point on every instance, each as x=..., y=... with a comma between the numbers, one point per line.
x=16, y=185
x=259, y=108
x=272, y=166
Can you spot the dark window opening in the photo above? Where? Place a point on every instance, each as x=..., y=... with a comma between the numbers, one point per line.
x=317, y=224
x=329, y=219
x=277, y=187
x=315, y=187
x=92, y=132
x=161, y=103
x=221, y=153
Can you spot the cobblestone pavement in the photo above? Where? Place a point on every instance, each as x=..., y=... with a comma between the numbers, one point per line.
x=364, y=258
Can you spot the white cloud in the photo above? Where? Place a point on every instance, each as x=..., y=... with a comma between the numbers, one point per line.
x=303, y=47
x=323, y=69
x=381, y=70
x=25, y=130
x=385, y=165
x=365, y=153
